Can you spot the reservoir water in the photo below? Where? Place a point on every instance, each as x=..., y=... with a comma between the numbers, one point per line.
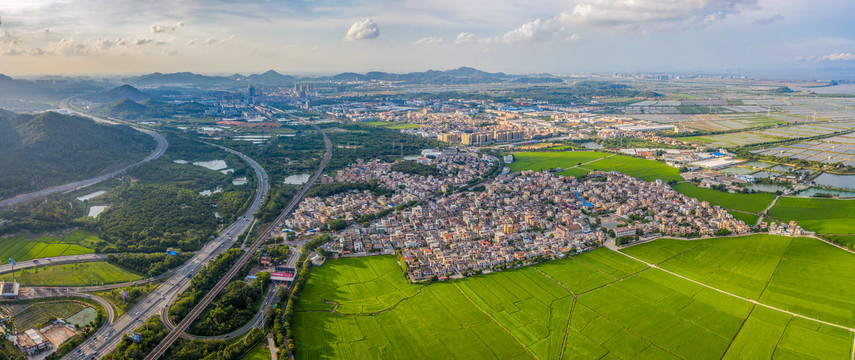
x=809, y=192
x=838, y=181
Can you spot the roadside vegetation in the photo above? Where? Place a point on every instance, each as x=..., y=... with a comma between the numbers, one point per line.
x=149, y=264
x=201, y=283
x=134, y=293
x=233, y=308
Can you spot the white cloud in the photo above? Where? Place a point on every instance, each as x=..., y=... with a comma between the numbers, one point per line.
x=837, y=57
x=533, y=31
x=647, y=16
x=362, y=30
x=165, y=29
x=428, y=41
x=465, y=38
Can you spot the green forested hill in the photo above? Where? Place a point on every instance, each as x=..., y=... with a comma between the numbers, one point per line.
x=131, y=110
x=37, y=151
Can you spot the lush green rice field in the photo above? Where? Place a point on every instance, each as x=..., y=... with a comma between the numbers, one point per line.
x=538, y=161
x=392, y=125
x=749, y=219
x=801, y=275
x=260, y=352
x=753, y=203
x=740, y=265
x=20, y=248
x=599, y=305
x=80, y=274
x=824, y=216
x=648, y=170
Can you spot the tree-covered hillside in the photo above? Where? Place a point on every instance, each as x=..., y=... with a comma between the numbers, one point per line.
x=131, y=110
x=38, y=151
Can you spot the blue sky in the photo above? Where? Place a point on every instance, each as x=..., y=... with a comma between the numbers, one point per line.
x=328, y=36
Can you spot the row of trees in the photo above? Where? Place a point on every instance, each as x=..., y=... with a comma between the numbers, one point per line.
x=283, y=335
x=135, y=294
x=203, y=282
x=149, y=264
x=233, y=308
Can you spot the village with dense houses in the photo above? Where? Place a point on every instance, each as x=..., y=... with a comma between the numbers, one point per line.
x=511, y=219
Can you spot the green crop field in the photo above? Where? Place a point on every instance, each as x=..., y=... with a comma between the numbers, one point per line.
x=824, y=216
x=538, y=161
x=801, y=275
x=740, y=265
x=41, y=312
x=79, y=274
x=753, y=203
x=20, y=248
x=749, y=219
x=260, y=352
x=647, y=170
x=392, y=125
x=599, y=304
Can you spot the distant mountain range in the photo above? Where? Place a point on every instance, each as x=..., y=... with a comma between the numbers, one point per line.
x=462, y=75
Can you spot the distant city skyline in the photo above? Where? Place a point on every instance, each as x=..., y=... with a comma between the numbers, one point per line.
x=72, y=37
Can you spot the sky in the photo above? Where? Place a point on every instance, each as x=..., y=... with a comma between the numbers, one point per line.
x=77, y=37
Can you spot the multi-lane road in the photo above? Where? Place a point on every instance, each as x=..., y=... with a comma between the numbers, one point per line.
x=158, y=152
x=109, y=336
x=176, y=332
